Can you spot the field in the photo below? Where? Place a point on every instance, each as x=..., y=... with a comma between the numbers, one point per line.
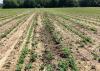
x=50, y=39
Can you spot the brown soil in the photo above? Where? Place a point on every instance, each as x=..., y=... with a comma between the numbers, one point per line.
x=79, y=53
x=10, y=19
x=13, y=41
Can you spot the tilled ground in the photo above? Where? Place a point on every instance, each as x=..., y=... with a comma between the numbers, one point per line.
x=44, y=42
x=84, y=55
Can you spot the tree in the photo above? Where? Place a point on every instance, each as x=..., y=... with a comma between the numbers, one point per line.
x=49, y=3
x=10, y=3
x=21, y=3
x=89, y=3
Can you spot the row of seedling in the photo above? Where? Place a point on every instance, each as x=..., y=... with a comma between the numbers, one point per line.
x=89, y=20
x=96, y=57
x=25, y=49
x=79, y=22
x=32, y=53
x=67, y=61
x=76, y=21
x=9, y=13
x=85, y=39
x=16, y=17
x=4, y=34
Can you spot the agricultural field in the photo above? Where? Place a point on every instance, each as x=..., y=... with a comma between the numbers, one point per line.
x=50, y=39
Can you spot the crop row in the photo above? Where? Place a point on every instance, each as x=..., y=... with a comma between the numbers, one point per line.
x=4, y=34
x=85, y=40
x=65, y=53
x=82, y=24
x=69, y=27
x=25, y=47
x=90, y=19
x=13, y=18
x=32, y=53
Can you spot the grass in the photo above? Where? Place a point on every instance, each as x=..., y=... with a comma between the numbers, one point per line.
x=74, y=10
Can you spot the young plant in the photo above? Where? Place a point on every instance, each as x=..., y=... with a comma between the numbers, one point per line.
x=63, y=65
x=28, y=66
x=33, y=56
x=49, y=67
x=48, y=55
x=72, y=64
x=65, y=52
x=21, y=59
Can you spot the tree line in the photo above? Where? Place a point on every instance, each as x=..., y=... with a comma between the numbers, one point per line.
x=50, y=3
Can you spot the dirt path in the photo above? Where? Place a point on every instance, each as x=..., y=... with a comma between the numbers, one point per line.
x=14, y=40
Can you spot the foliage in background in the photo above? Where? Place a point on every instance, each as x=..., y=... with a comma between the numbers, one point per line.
x=49, y=3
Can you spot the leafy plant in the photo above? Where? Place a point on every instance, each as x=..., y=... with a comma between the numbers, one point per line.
x=48, y=55
x=49, y=67
x=56, y=37
x=86, y=40
x=72, y=64
x=28, y=66
x=65, y=52
x=63, y=65
x=23, y=55
x=18, y=68
x=33, y=56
